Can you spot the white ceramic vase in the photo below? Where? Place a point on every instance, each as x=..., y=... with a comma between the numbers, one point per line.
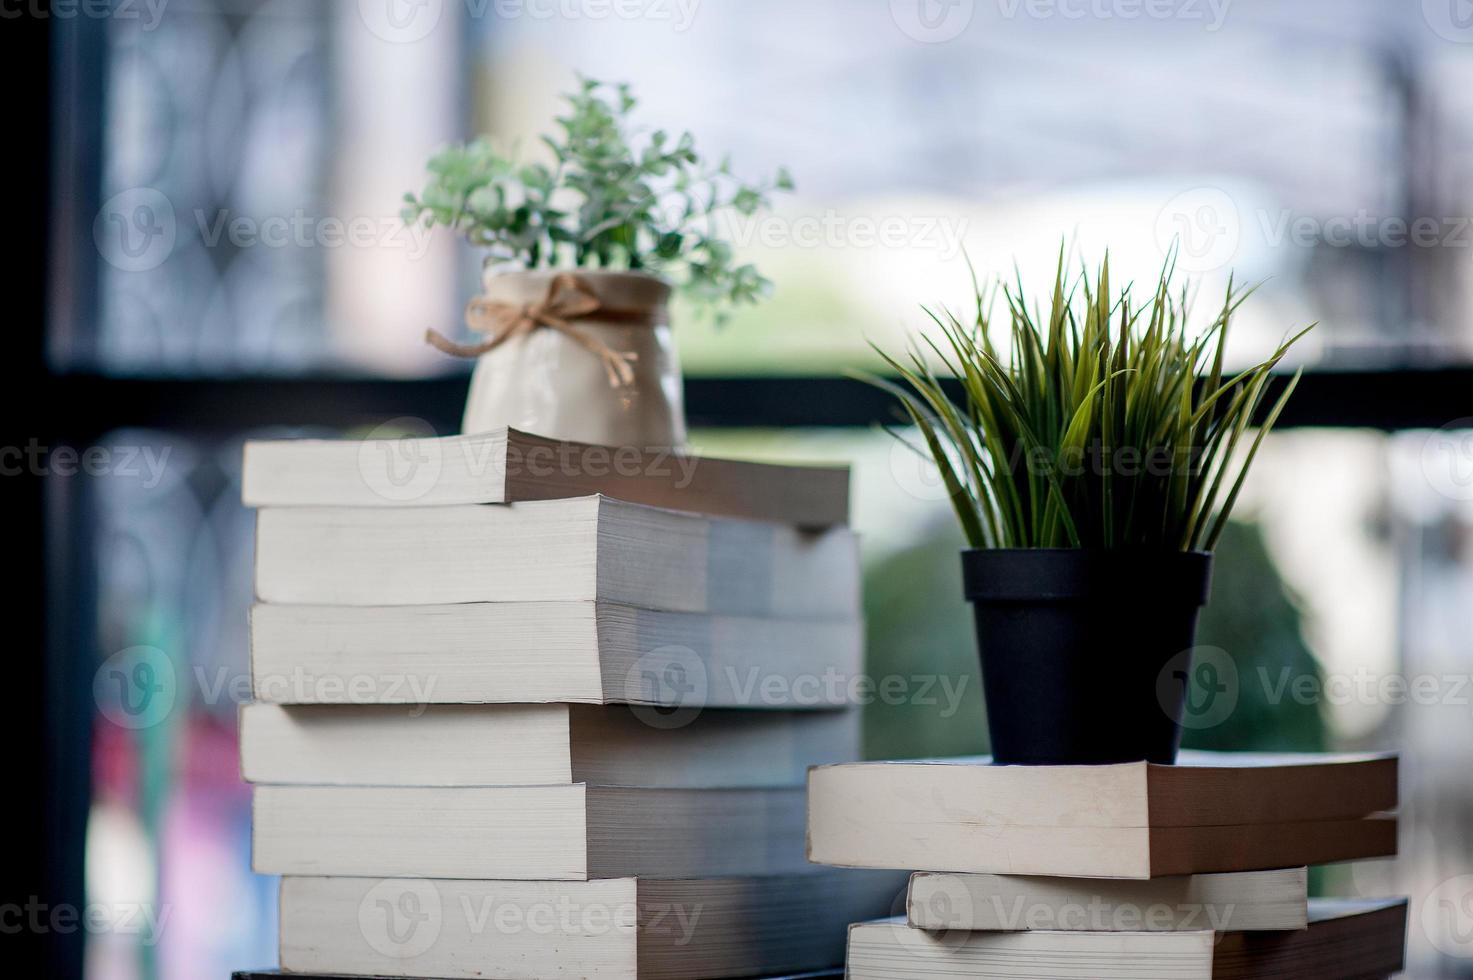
x=547, y=383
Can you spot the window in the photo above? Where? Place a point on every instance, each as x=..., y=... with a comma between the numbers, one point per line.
x=228, y=261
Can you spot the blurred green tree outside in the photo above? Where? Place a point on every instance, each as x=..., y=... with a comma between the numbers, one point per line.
x=918, y=626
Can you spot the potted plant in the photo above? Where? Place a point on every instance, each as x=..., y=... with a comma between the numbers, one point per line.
x=582, y=256
x=1092, y=461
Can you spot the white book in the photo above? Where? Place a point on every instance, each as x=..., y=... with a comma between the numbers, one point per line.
x=613, y=929
x=560, y=833
x=1211, y=812
x=572, y=651
x=505, y=466
x=892, y=950
x=583, y=548
x=544, y=744
x=1346, y=939
x=1248, y=901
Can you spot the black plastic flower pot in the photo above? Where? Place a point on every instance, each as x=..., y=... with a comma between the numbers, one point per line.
x=1085, y=653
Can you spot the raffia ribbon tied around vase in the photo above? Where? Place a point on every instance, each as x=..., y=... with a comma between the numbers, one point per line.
x=569, y=298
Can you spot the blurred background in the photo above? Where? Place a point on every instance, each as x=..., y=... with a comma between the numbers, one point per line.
x=224, y=260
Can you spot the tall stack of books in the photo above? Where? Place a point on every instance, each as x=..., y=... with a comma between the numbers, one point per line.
x=528, y=709
x=1188, y=872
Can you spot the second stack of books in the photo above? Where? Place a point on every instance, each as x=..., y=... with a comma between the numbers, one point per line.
x=1187, y=872
x=505, y=726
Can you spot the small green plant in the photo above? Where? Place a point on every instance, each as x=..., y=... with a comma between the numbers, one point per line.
x=611, y=199
x=1106, y=427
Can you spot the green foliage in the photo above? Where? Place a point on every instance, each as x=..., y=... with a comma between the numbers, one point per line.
x=612, y=199
x=1255, y=619
x=1088, y=435
x=917, y=627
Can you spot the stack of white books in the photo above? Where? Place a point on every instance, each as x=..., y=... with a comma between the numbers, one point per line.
x=1187, y=872
x=527, y=709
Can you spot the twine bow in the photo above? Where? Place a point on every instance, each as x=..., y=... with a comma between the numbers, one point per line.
x=568, y=298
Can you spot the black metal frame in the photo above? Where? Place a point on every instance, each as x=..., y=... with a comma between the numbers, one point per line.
x=1384, y=400
x=47, y=716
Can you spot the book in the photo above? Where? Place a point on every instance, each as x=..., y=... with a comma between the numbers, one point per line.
x=613, y=929
x=1346, y=939
x=584, y=548
x=572, y=651
x=508, y=466
x=1209, y=813
x=833, y=974
x=1249, y=901
x=277, y=974
x=560, y=833
x=546, y=744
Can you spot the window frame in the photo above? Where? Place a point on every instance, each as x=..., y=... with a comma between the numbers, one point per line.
x=54, y=588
